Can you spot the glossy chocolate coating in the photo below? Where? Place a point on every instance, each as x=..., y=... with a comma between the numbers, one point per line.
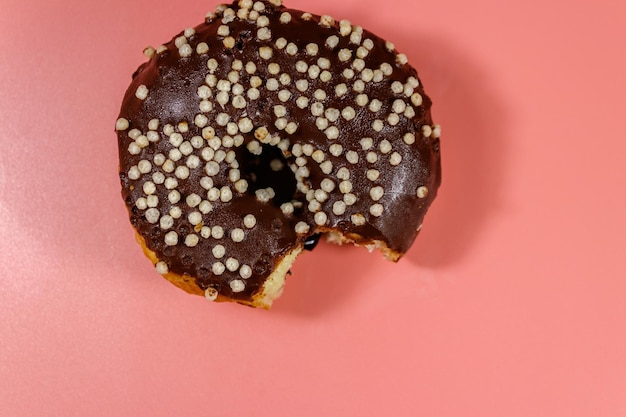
x=172, y=78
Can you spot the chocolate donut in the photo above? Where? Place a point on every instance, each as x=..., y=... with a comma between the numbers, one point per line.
x=245, y=138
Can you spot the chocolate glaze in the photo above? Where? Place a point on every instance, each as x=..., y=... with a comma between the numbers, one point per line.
x=173, y=81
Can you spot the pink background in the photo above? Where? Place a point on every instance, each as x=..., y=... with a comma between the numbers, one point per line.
x=511, y=303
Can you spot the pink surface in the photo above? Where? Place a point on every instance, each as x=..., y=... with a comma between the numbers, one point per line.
x=511, y=303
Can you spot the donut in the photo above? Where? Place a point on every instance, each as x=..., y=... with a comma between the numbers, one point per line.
x=244, y=139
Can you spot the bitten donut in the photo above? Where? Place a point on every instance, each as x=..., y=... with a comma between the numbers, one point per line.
x=245, y=138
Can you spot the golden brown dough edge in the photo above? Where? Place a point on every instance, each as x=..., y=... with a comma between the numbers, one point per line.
x=271, y=290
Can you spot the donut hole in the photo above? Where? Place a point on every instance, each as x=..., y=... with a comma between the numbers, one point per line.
x=269, y=169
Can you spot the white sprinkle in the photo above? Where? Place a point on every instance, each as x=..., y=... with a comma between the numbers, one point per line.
x=226, y=194
x=372, y=174
x=320, y=218
x=291, y=128
x=249, y=221
x=326, y=167
x=416, y=99
x=232, y=264
x=320, y=94
x=318, y=156
x=173, y=196
x=332, y=114
x=205, y=106
x=401, y=59
x=185, y=51
x=344, y=55
x=265, y=52
x=212, y=64
x=168, y=166
x=302, y=85
x=153, y=201
x=350, y=199
x=321, y=195
x=152, y=215
x=422, y=192
x=144, y=166
x=385, y=146
x=171, y=238
x=213, y=194
x=217, y=232
x=332, y=41
x=348, y=113
x=234, y=175
x=272, y=84
x=285, y=18
x=182, y=172
x=166, y=222
x=176, y=212
x=191, y=240
x=176, y=139
x=159, y=159
x=193, y=200
x=195, y=218
x=395, y=159
x=121, y=124
x=393, y=119
x=263, y=34
x=317, y=109
x=356, y=35
x=223, y=30
x=436, y=131
x=211, y=294
x=376, y=210
x=314, y=206
x=162, y=268
x=321, y=123
x=345, y=187
x=141, y=203
x=375, y=105
x=327, y=21
x=202, y=48
x=312, y=49
x=352, y=157
x=376, y=193
x=427, y=131
x=358, y=64
x=302, y=228
x=335, y=149
x=245, y=271
x=343, y=173
x=218, y=268
x=339, y=208
x=281, y=123
x=149, y=187
x=371, y=157
x=291, y=49
x=175, y=155
x=327, y=185
x=332, y=133
x=237, y=285
x=142, y=92
x=262, y=21
x=313, y=72
x=358, y=219
x=409, y=138
x=245, y=125
x=133, y=173
x=362, y=100
x=205, y=207
x=237, y=235
x=218, y=250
